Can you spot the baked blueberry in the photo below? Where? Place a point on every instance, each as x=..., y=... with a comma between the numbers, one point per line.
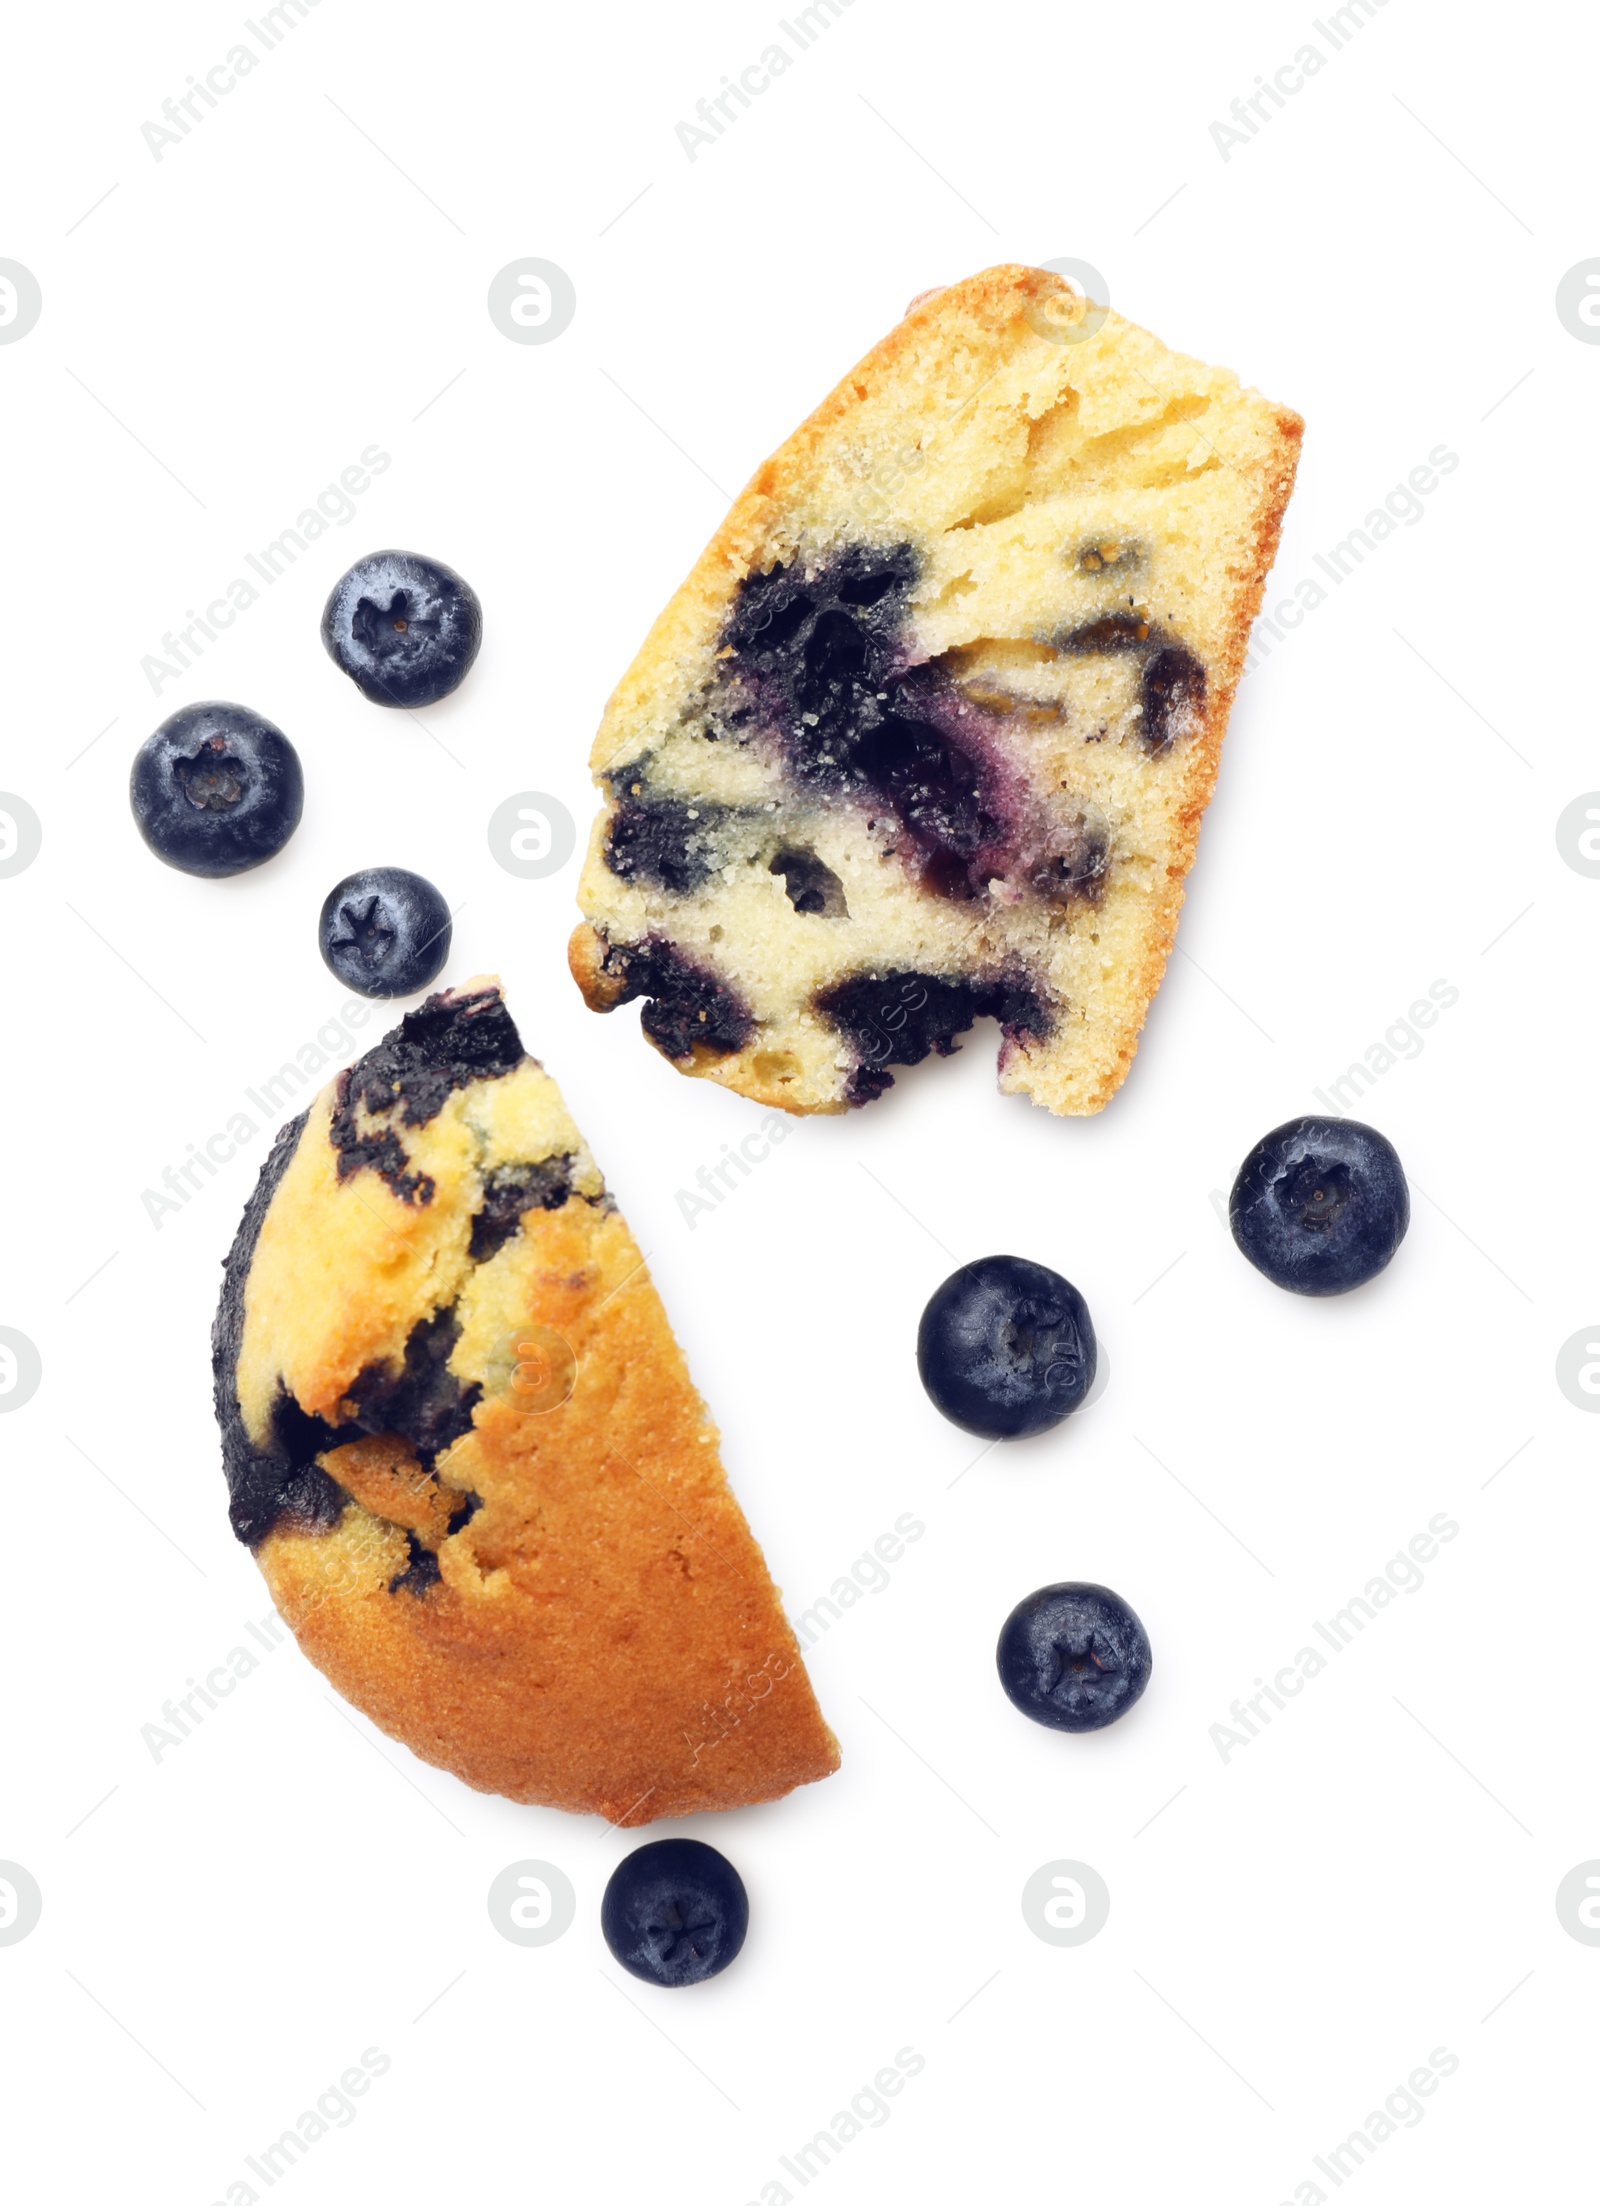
x=405, y=629
x=688, y=1013
x=1320, y=1205
x=1074, y=1657
x=896, y=1017
x=1006, y=1348
x=385, y=932
x=216, y=789
x=675, y=1912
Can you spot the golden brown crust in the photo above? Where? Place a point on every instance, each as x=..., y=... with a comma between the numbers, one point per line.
x=586, y=954
x=566, y=1604
x=950, y=348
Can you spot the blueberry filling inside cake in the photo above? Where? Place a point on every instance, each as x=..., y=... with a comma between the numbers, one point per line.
x=926, y=736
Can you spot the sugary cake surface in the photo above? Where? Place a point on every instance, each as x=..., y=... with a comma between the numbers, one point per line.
x=465, y=1447
x=927, y=733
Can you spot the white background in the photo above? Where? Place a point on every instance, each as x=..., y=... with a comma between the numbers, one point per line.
x=1372, y=1877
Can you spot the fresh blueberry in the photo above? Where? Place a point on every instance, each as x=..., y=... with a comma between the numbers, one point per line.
x=1320, y=1205
x=1006, y=1348
x=405, y=629
x=385, y=932
x=675, y=1912
x=216, y=790
x=1074, y=1657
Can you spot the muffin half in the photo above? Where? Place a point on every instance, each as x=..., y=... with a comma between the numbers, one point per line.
x=926, y=735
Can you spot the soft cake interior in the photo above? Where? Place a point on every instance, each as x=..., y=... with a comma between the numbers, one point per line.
x=927, y=734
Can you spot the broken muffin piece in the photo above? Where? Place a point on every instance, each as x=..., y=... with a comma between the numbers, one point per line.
x=926, y=735
x=466, y=1451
